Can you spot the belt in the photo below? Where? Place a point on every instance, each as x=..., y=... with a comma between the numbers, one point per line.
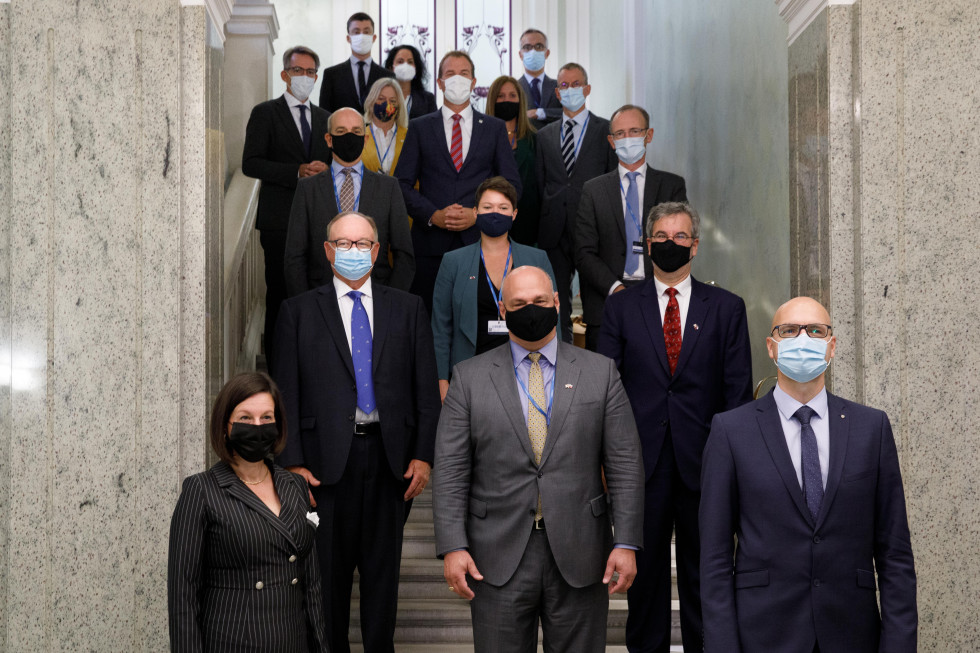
x=367, y=428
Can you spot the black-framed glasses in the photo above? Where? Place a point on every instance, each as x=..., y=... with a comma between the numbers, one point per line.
x=538, y=47
x=344, y=245
x=298, y=70
x=680, y=238
x=793, y=330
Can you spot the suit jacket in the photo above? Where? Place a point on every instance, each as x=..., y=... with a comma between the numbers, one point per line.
x=425, y=159
x=370, y=155
x=486, y=484
x=600, y=232
x=315, y=372
x=549, y=101
x=560, y=194
x=423, y=102
x=315, y=204
x=454, y=319
x=239, y=577
x=273, y=152
x=714, y=371
x=338, y=88
x=792, y=580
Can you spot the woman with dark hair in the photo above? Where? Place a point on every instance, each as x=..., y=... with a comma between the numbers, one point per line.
x=242, y=573
x=409, y=68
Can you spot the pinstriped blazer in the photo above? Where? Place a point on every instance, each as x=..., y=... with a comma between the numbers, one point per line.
x=240, y=578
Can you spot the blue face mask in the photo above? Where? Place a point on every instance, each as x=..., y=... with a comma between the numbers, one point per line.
x=572, y=99
x=352, y=264
x=494, y=224
x=631, y=149
x=533, y=60
x=802, y=358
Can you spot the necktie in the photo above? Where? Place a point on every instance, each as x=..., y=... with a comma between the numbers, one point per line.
x=360, y=348
x=304, y=127
x=672, y=330
x=632, y=217
x=456, y=151
x=537, y=424
x=568, y=147
x=810, y=461
x=347, y=190
x=536, y=91
x=362, y=82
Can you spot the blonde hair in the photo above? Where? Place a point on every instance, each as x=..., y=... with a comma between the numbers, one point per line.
x=401, y=118
x=524, y=126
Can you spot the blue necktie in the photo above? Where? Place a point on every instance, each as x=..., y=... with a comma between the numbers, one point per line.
x=632, y=217
x=360, y=347
x=536, y=91
x=304, y=127
x=810, y=461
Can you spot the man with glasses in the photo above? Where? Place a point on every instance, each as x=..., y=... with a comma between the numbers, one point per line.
x=610, y=252
x=810, y=485
x=543, y=104
x=347, y=84
x=357, y=371
x=682, y=348
x=347, y=187
x=284, y=142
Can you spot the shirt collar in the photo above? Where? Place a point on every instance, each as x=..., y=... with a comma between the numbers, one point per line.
x=357, y=168
x=367, y=62
x=467, y=113
x=683, y=288
x=292, y=101
x=788, y=406
x=641, y=173
x=529, y=77
x=340, y=285
x=549, y=351
x=577, y=118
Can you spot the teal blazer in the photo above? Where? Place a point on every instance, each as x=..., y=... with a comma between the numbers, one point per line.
x=454, y=301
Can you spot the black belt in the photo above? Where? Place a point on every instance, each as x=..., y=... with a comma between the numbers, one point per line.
x=367, y=428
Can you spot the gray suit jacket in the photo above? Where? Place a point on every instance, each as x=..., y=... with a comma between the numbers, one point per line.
x=486, y=484
x=315, y=204
x=549, y=101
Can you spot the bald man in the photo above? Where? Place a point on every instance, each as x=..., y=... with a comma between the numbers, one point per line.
x=522, y=520
x=802, y=511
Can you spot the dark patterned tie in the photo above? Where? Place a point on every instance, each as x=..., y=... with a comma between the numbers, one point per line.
x=361, y=345
x=810, y=461
x=304, y=127
x=568, y=147
x=347, y=190
x=362, y=82
x=536, y=91
x=456, y=151
x=672, y=330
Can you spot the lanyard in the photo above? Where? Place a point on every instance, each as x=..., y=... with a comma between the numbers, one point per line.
x=336, y=192
x=578, y=143
x=494, y=293
x=381, y=159
x=636, y=220
x=551, y=396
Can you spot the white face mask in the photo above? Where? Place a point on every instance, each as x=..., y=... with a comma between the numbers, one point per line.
x=301, y=86
x=361, y=43
x=457, y=89
x=404, y=72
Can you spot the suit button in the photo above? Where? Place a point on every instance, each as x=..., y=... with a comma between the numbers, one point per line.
x=350, y=418
x=259, y=585
x=816, y=582
x=292, y=558
x=540, y=475
x=663, y=423
x=816, y=539
x=294, y=581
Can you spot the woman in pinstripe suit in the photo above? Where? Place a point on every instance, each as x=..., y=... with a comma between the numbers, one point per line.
x=241, y=577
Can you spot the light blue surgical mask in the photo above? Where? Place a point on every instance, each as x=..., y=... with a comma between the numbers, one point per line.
x=533, y=60
x=352, y=264
x=631, y=149
x=572, y=99
x=802, y=358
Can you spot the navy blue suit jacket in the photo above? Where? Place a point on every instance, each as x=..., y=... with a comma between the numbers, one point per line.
x=714, y=372
x=793, y=580
x=425, y=159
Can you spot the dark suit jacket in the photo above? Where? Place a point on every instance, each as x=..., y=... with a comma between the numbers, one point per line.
x=423, y=102
x=315, y=204
x=793, y=580
x=425, y=159
x=600, y=232
x=338, y=89
x=223, y=542
x=714, y=372
x=486, y=483
x=273, y=152
x=549, y=101
x=560, y=194
x=315, y=372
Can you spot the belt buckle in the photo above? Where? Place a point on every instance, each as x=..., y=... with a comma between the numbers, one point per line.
x=539, y=524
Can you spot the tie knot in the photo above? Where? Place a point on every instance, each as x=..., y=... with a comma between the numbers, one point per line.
x=672, y=292
x=569, y=126
x=804, y=414
x=355, y=295
x=360, y=64
x=535, y=356
x=347, y=171
x=632, y=176
x=302, y=108
x=535, y=82
x=457, y=117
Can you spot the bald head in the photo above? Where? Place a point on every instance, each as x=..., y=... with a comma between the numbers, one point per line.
x=527, y=285
x=801, y=310
x=347, y=118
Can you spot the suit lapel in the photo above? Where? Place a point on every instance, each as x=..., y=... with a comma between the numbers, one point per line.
x=504, y=382
x=614, y=200
x=286, y=116
x=772, y=433
x=369, y=192
x=651, y=190
x=327, y=300
x=438, y=134
x=840, y=432
x=229, y=481
x=382, y=318
x=566, y=385
x=470, y=293
x=650, y=308
x=477, y=136
x=697, y=311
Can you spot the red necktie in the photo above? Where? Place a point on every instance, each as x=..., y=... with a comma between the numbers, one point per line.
x=672, y=330
x=456, y=151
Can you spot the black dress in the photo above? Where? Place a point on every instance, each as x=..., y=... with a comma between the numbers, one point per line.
x=486, y=310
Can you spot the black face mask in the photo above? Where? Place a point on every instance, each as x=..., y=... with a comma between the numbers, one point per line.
x=506, y=110
x=253, y=442
x=669, y=256
x=348, y=146
x=532, y=322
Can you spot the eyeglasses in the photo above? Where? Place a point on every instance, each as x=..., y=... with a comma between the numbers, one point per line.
x=344, y=245
x=636, y=132
x=680, y=238
x=295, y=71
x=575, y=84
x=537, y=47
x=793, y=330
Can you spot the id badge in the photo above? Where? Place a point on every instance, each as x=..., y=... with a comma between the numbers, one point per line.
x=497, y=327
x=637, y=247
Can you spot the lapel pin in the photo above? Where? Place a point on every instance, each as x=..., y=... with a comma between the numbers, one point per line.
x=480, y=120
x=568, y=386
x=696, y=327
x=842, y=417
x=471, y=278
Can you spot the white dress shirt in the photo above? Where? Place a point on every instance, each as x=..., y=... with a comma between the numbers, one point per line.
x=465, y=126
x=384, y=146
x=541, y=115
x=293, y=104
x=792, y=428
x=624, y=186
x=355, y=70
x=346, y=305
x=683, y=299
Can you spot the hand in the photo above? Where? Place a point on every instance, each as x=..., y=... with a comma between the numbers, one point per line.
x=623, y=561
x=459, y=217
x=311, y=168
x=310, y=478
x=619, y=288
x=438, y=219
x=418, y=471
x=455, y=567
x=443, y=389
x=532, y=113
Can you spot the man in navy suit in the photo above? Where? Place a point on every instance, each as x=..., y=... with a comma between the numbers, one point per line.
x=449, y=153
x=682, y=348
x=347, y=84
x=543, y=103
x=357, y=370
x=810, y=485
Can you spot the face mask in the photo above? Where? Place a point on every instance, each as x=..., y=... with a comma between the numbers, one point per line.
x=532, y=322
x=301, y=86
x=352, y=264
x=802, y=358
x=572, y=99
x=385, y=111
x=630, y=149
x=494, y=224
x=253, y=442
x=361, y=43
x=533, y=60
x=457, y=89
x=506, y=110
x=404, y=72
x=348, y=146
x=669, y=256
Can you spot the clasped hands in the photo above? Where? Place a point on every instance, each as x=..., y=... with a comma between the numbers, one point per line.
x=454, y=217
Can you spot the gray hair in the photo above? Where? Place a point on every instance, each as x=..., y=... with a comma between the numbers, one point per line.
x=344, y=214
x=673, y=208
x=533, y=30
x=401, y=118
x=574, y=66
x=299, y=49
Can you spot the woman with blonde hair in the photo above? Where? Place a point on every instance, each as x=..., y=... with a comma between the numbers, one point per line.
x=387, y=119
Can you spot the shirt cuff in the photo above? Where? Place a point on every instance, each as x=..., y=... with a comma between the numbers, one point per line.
x=612, y=288
x=541, y=114
x=626, y=546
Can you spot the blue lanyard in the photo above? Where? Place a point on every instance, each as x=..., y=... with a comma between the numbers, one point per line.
x=381, y=159
x=551, y=396
x=578, y=144
x=636, y=221
x=493, y=293
x=336, y=192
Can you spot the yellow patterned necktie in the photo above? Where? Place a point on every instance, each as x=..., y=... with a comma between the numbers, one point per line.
x=537, y=424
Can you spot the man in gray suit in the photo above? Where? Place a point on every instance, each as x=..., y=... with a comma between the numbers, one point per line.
x=346, y=185
x=543, y=104
x=571, y=151
x=519, y=502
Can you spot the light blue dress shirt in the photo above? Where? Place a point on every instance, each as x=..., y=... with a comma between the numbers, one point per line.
x=820, y=424
x=549, y=356
x=338, y=180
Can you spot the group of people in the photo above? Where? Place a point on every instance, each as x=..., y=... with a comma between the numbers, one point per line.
x=418, y=264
